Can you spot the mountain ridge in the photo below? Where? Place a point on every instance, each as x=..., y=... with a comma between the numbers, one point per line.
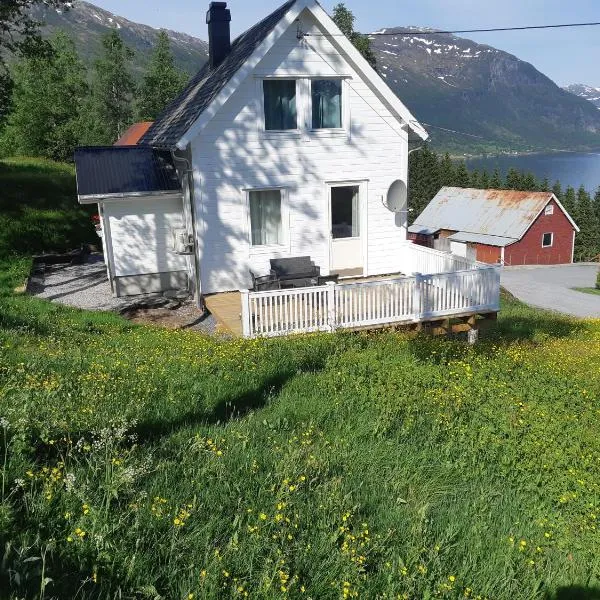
x=588, y=92
x=492, y=100
x=87, y=23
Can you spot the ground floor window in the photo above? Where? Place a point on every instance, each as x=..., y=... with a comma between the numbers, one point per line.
x=547, y=239
x=265, y=217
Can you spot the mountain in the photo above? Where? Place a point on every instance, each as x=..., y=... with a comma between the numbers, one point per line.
x=585, y=91
x=455, y=83
x=502, y=103
x=86, y=23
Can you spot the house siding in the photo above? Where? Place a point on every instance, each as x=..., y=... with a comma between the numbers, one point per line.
x=139, y=231
x=233, y=155
x=529, y=251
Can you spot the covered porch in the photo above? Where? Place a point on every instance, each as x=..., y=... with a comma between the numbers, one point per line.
x=433, y=286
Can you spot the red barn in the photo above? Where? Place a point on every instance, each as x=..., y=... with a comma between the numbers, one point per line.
x=497, y=226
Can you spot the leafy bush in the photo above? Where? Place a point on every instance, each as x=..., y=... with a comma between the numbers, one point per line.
x=598, y=280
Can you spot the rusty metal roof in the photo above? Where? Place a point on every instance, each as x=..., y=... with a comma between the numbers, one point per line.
x=133, y=135
x=499, y=213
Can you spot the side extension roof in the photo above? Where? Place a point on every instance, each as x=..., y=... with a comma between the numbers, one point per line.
x=117, y=171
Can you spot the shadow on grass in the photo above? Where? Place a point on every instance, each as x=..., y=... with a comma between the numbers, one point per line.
x=226, y=410
x=574, y=592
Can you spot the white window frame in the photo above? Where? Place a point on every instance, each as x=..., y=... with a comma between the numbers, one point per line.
x=551, y=234
x=549, y=210
x=285, y=222
x=303, y=108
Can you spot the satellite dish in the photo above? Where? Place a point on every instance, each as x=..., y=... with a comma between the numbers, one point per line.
x=396, y=199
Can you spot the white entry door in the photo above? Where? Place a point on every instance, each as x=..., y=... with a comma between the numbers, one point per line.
x=346, y=243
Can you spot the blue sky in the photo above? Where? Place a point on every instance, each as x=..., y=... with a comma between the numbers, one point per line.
x=565, y=55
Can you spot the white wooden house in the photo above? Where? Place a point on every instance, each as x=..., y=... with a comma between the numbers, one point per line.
x=286, y=143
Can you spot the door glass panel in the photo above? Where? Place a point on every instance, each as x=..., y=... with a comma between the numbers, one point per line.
x=345, y=218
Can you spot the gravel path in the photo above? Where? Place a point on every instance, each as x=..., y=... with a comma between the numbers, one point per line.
x=550, y=287
x=86, y=286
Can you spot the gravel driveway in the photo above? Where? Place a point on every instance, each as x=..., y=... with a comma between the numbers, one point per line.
x=86, y=286
x=550, y=287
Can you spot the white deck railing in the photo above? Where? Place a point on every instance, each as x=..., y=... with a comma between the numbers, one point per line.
x=352, y=305
x=419, y=259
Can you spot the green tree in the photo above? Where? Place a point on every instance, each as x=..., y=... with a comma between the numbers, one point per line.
x=513, y=180
x=557, y=191
x=529, y=182
x=423, y=180
x=109, y=110
x=484, y=182
x=588, y=241
x=496, y=181
x=162, y=81
x=569, y=202
x=19, y=36
x=475, y=181
x=344, y=19
x=544, y=185
x=447, y=171
x=597, y=204
x=47, y=96
x=463, y=179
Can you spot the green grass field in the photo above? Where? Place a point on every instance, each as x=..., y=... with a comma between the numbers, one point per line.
x=146, y=463
x=594, y=291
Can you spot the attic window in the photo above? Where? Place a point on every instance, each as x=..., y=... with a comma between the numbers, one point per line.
x=549, y=210
x=280, y=104
x=547, y=240
x=326, y=104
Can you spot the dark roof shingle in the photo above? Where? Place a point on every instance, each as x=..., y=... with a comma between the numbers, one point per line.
x=204, y=87
x=109, y=170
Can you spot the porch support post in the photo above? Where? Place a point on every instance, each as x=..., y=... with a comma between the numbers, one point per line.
x=331, y=312
x=417, y=295
x=245, y=298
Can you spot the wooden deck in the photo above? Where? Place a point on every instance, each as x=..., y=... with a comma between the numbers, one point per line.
x=226, y=308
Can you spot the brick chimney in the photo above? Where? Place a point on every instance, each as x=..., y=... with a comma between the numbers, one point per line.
x=218, y=18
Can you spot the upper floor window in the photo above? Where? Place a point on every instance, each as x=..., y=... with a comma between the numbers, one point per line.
x=326, y=103
x=549, y=209
x=280, y=104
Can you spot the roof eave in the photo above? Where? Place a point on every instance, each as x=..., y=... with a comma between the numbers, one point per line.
x=97, y=198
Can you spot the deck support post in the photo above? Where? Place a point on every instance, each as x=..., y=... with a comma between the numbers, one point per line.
x=245, y=298
x=331, y=312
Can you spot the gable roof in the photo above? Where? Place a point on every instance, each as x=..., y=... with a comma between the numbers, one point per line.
x=133, y=135
x=212, y=87
x=501, y=217
x=117, y=171
x=203, y=88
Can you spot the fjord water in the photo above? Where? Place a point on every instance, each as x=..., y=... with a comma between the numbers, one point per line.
x=570, y=168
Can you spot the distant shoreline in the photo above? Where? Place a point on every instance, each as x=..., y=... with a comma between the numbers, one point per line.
x=519, y=153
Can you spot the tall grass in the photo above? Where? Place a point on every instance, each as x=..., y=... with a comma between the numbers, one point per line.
x=147, y=463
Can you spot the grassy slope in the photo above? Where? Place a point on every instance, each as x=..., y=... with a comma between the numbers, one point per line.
x=152, y=463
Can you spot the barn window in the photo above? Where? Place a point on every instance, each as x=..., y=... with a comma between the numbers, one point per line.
x=549, y=210
x=547, y=240
x=280, y=104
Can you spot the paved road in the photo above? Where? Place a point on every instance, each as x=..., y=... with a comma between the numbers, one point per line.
x=551, y=287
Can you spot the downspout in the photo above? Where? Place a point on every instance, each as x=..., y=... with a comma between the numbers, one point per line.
x=188, y=173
